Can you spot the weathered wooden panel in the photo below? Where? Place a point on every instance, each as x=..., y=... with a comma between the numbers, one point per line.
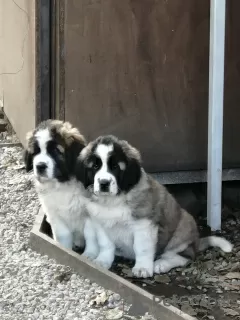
x=231, y=145
x=139, y=69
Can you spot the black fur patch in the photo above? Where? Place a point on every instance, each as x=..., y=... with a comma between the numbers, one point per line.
x=126, y=179
x=83, y=174
x=65, y=162
x=71, y=154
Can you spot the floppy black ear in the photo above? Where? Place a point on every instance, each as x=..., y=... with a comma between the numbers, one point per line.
x=28, y=160
x=72, y=152
x=131, y=175
x=81, y=173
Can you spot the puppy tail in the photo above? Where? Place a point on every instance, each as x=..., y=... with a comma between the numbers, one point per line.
x=214, y=241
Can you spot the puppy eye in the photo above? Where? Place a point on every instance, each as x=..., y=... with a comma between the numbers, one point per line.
x=95, y=166
x=115, y=166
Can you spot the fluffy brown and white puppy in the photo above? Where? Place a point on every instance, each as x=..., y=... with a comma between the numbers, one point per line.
x=133, y=214
x=52, y=151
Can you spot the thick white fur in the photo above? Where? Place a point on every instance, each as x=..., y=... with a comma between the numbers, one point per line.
x=118, y=233
x=43, y=136
x=168, y=261
x=64, y=203
x=214, y=241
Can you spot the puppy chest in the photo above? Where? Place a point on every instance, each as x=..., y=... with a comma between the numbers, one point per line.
x=116, y=221
x=121, y=235
x=65, y=206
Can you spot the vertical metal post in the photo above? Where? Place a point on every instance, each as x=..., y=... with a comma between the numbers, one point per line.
x=215, y=117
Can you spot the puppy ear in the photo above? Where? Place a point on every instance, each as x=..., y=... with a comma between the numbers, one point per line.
x=28, y=160
x=81, y=172
x=72, y=152
x=131, y=175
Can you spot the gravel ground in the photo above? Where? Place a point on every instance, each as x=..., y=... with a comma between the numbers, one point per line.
x=33, y=286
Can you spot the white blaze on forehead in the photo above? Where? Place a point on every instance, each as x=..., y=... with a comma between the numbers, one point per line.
x=43, y=136
x=103, y=151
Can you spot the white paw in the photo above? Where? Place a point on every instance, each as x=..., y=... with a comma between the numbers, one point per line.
x=90, y=255
x=161, y=266
x=103, y=263
x=142, y=271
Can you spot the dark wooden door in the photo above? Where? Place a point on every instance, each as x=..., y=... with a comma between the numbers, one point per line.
x=139, y=69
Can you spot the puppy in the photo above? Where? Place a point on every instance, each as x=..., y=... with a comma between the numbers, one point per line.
x=52, y=151
x=134, y=216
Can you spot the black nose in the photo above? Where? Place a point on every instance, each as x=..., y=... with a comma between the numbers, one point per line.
x=104, y=185
x=41, y=167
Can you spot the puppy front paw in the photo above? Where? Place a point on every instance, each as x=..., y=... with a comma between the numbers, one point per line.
x=90, y=255
x=104, y=263
x=161, y=266
x=142, y=271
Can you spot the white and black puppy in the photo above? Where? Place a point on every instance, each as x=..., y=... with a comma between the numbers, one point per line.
x=52, y=151
x=133, y=214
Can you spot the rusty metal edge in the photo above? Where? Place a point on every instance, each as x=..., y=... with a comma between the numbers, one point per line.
x=131, y=293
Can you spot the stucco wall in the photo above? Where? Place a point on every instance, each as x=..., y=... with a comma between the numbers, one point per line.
x=17, y=63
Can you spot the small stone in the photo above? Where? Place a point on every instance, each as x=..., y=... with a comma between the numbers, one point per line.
x=162, y=278
x=209, y=265
x=114, y=314
x=188, y=310
x=111, y=305
x=233, y=275
x=219, y=291
x=116, y=297
x=73, y=277
x=230, y=312
x=100, y=299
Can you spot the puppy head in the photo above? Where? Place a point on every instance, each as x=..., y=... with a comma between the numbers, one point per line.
x=109, y=166
x=52, y=150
